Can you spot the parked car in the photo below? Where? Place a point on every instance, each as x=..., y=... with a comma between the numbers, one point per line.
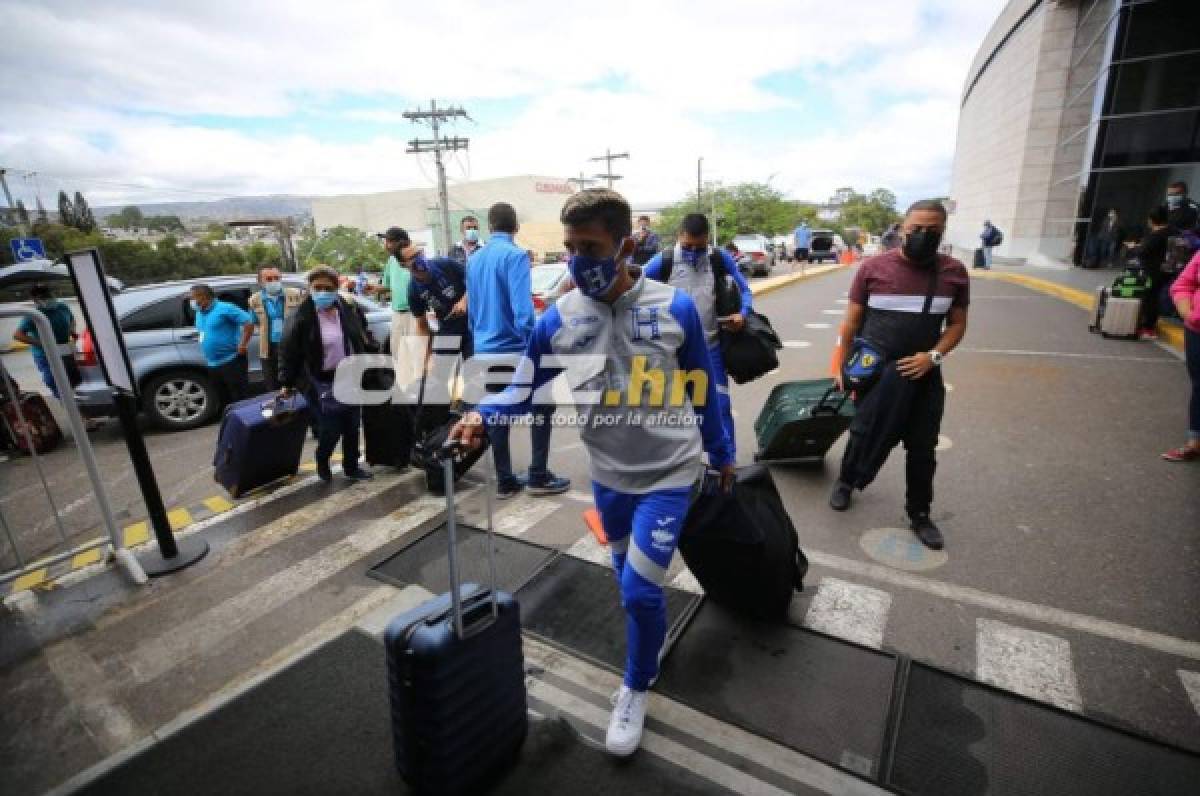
x=824, y=246
x=872, y=246
x=164, y=350
x=549, y=283
x=757, y=250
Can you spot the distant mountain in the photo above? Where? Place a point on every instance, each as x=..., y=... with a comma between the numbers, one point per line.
x=235, y=208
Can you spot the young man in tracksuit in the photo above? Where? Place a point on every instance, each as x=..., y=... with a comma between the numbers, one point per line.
x=646, y=395
x=691, y=272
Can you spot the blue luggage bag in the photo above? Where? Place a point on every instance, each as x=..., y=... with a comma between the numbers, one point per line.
x=261, y=440
x=456, y=679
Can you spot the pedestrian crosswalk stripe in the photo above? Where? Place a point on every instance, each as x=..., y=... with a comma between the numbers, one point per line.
x=850, y=611
x=524, y=513
x=686, y=581
x=204, y=631
x=1028, y=662
x=588, y=549
x=1191, y=684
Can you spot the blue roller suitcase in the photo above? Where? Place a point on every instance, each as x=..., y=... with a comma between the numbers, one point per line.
x=456, y=679
x=261, y=440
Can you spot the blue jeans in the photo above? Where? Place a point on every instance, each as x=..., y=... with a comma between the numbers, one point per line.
x=987, y=256
x=47, y=375
x=502, y=455
x=1191, y=348
x=642, y=531
x=723, y=396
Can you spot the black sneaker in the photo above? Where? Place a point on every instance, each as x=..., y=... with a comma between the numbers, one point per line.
x=358, y=475
x=929, y=534
x=839, y=500
x=550, y=484
x=508, y=490
x=323, y=471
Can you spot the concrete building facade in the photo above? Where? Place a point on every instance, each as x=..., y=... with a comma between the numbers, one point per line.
x=1071, y=109
x=537, y=200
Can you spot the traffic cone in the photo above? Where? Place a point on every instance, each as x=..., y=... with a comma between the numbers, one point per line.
x=591, y=518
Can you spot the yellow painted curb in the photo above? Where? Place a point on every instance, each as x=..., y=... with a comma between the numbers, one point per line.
x=29, y=580
x=217, y=504
x=1168, y=333
x=86, y=558
x=777, y=282
x=136, y=534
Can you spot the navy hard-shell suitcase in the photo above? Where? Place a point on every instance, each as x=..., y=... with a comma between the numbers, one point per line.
x=457, y=681
x=260, y=441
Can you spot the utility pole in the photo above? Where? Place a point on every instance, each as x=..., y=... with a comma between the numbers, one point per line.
x=11, y=208
x=608, y=157
x=699, y=183
x=581, y=181
x=437, y=145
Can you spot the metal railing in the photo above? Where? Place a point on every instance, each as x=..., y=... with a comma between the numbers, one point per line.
x=62, y=383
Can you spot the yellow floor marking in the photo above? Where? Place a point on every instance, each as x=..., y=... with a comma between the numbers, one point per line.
x=179, y=518
x=137, y=533
x=29, y=580
x=217, y=504
x=85, y=558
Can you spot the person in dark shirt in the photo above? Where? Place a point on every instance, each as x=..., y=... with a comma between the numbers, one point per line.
x=892, y=306
x=1150, y=254
x=439, y=285
x=1183, y=213
x=647, y=242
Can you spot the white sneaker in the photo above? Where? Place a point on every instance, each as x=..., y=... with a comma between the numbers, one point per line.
x=625, y=728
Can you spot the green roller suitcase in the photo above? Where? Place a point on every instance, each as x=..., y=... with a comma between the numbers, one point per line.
x=801, y=420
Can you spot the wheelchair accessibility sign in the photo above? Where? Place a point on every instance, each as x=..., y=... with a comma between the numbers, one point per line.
x=26, y=249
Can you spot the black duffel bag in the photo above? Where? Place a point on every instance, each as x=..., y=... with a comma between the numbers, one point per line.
x=742, y=547
x=750, y=353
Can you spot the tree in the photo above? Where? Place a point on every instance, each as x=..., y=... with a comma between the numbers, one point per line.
x=872, y=213
x=130, y=217
x=22, y=213
x=749, y=207
x=344, y=248
x=42, y=216
x=66, y=211
x=84, y=220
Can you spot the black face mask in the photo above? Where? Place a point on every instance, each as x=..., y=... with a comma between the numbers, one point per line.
x=921, y=246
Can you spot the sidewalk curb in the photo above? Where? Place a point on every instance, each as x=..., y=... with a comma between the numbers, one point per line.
x=777, y=282
x=137, y=537
x=1168, y=334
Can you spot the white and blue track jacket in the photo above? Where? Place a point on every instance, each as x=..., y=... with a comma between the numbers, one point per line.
x=636, y=445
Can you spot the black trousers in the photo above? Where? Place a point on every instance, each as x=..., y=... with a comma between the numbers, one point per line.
x=233, y=378
x=898, y=410
x=270, y=368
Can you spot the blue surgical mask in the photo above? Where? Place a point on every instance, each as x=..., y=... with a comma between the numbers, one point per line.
x=274, y=288
x=419, y=264
x=471, y=236
x=691, y=256
x=1174, y=200
x=594, y=276
x=324, y=299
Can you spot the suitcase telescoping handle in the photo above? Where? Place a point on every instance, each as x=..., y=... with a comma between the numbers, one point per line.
x=447, y=453
x=826, y=407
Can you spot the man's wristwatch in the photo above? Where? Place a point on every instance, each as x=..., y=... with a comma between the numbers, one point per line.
x=936, y=357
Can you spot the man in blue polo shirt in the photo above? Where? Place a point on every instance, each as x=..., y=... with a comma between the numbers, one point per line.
x=225, y=332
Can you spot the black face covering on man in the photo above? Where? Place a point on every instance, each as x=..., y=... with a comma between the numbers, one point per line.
x=921, y=246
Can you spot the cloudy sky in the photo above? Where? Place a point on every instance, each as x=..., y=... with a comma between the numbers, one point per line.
x=148, y=100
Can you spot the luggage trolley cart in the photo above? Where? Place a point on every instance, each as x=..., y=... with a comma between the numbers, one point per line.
x=800, y=422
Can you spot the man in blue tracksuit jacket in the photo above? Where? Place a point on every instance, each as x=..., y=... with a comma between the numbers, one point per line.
x=500, y=310
x=646, y=397
x=692, y=273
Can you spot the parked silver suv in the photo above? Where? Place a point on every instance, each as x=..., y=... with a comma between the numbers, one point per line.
x=164, y=350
